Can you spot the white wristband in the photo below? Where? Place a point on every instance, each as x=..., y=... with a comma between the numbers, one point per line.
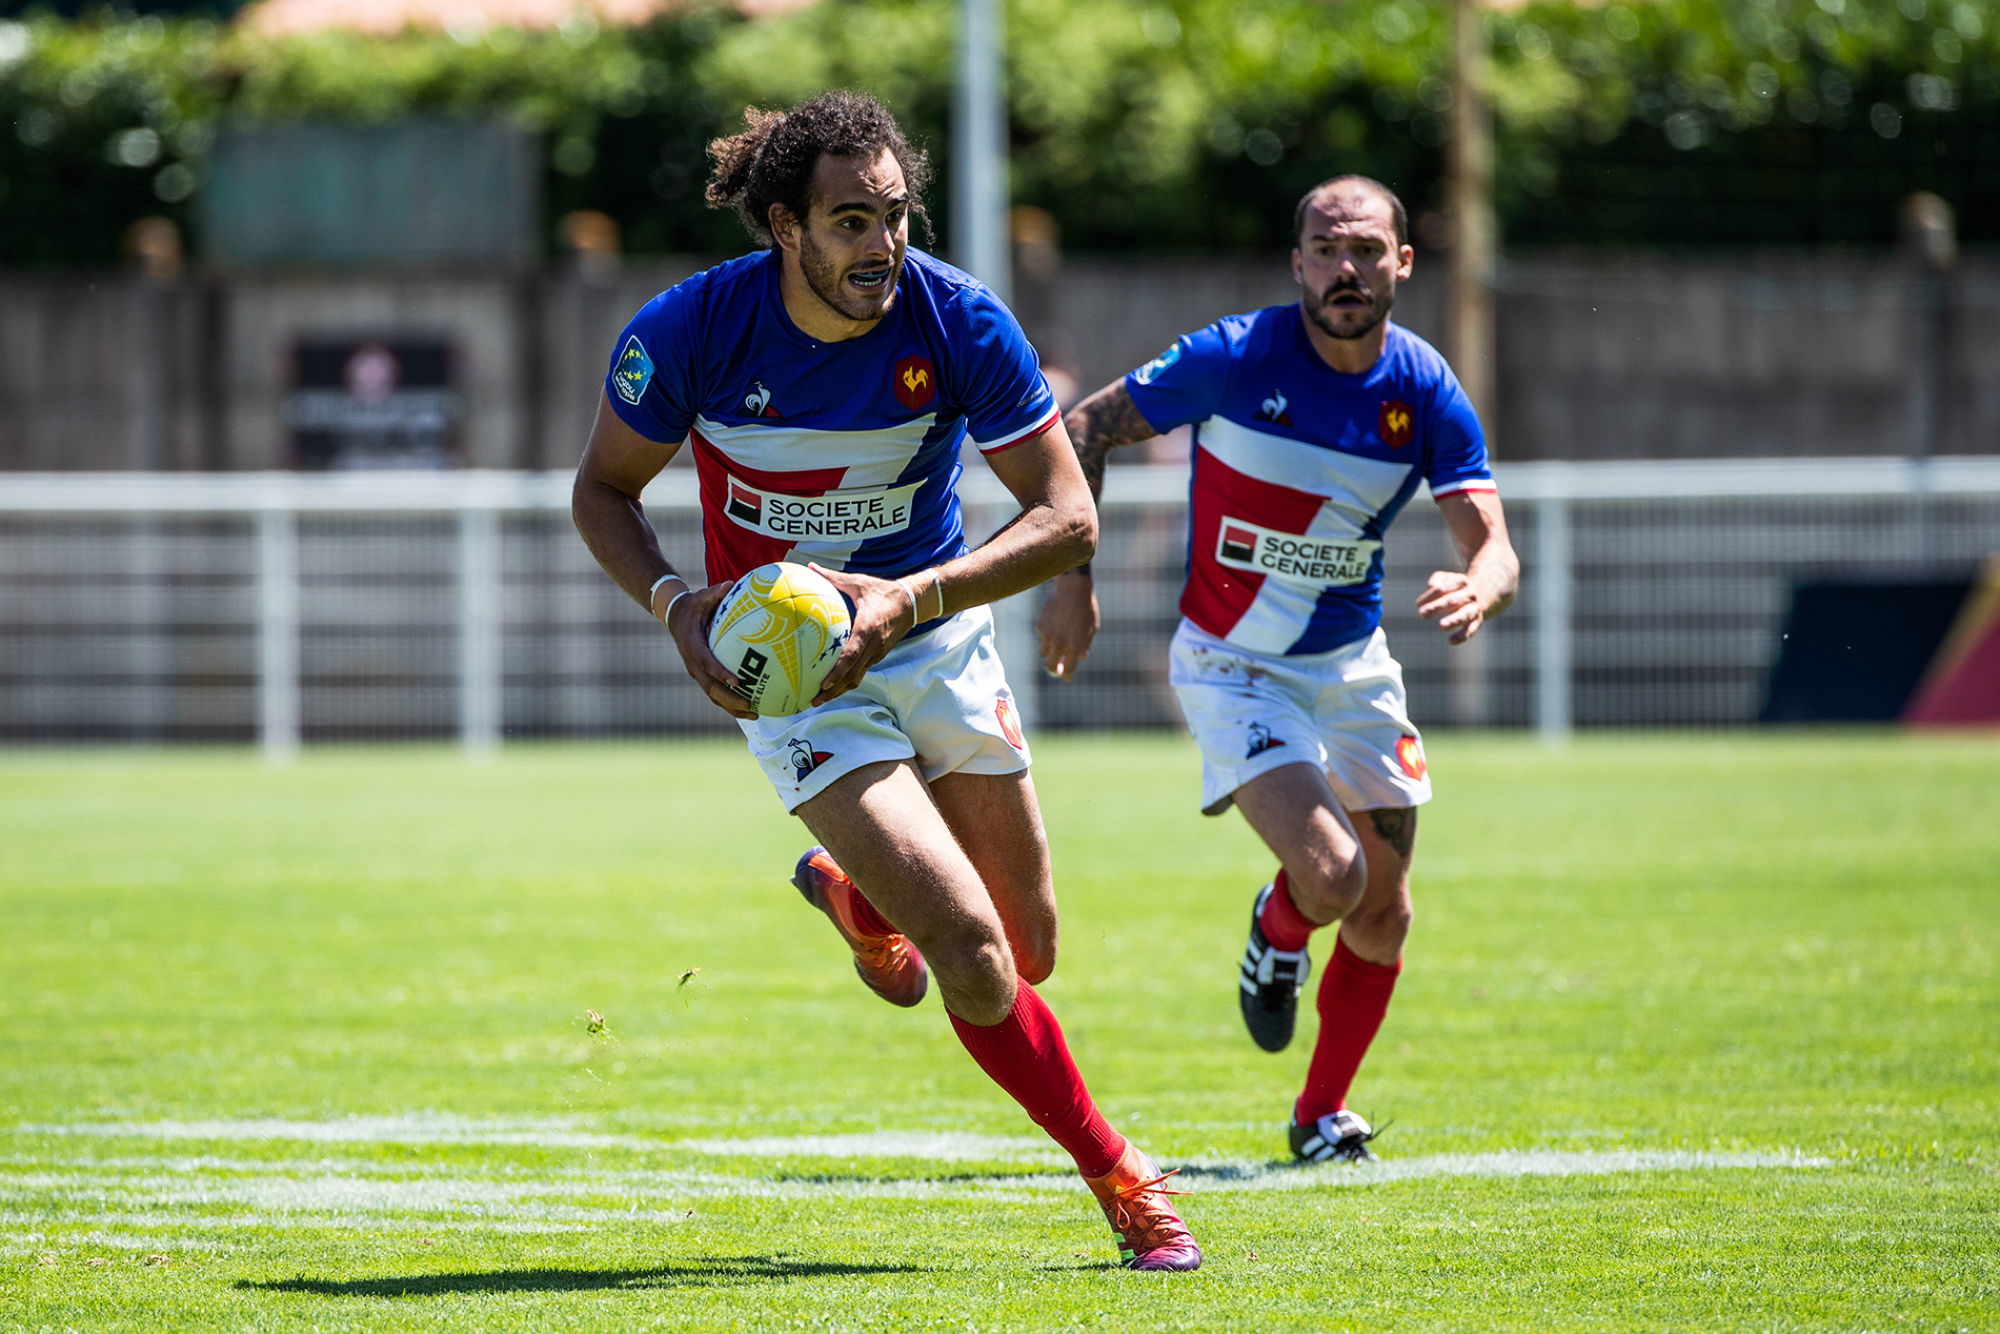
x=937, y=586
x=654, y=591
x=666, y=617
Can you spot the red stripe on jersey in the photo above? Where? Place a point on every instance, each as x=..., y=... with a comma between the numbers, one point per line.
x=730, y=550
x=1218, y=595
x=1040, y=428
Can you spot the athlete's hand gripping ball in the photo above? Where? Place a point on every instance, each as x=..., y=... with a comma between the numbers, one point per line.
x=778, y=632
x=687, y=620
x=882, y=616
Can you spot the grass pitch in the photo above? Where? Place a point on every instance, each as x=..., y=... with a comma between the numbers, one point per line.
x=1695, y=1033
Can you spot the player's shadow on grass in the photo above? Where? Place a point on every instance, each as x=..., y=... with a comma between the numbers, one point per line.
x=715, y=1271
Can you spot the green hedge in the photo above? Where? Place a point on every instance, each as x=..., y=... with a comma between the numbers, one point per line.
x=1140, y=124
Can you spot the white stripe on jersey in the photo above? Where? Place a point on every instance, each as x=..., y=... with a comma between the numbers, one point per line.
x=1356, y=488
x=873, y=458
x=1353, y=491
x=994, y=446
x=1277, y=616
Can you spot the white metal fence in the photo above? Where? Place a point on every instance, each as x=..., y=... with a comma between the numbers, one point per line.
x=282, y=608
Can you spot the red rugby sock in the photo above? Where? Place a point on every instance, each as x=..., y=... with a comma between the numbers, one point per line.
x=1283, y=924
x=1353, y=998
x=1025, y=1054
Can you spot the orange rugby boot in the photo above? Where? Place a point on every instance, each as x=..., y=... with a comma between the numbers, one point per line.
x=889, y=964
x=1134, y=1198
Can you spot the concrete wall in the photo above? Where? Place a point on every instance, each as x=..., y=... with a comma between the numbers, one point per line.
x=99, y=373
x=1601, y=356
x=1647, y=357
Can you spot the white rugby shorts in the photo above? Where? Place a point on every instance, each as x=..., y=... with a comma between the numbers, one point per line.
x=1344, y=711
x=941, y=699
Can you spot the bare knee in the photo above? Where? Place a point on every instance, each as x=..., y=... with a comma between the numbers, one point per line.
x=1377, y=931
x=976, y=973
x=1330, y=886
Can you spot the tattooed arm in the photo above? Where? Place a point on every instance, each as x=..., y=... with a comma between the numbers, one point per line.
x=1068, y=621
x=1101, y=423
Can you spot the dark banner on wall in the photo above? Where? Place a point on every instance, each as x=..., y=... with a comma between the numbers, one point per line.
x=1866, y=651
x=1962, y=684
x=373, y=403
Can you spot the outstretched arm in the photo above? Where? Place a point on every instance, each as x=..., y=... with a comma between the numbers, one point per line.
x=1461, y=603
x=1069, y=618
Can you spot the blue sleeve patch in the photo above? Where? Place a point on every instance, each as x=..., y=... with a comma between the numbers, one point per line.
x=1185, y=383
x=1159, y=365
x=633, y=372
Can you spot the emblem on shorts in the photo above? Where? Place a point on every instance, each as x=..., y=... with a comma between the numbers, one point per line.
x=758, y=401
x=1396, y=424
x=1273, y=409
x=1010, y=724
x=1261, y=740
x=633, y=372
x=1410, y=754
x=1158, y=366
x=805, y=759
x=915, y=382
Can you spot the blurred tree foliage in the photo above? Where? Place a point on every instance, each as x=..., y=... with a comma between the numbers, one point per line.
x=1139, y=124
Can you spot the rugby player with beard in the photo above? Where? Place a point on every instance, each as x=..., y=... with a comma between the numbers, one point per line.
x=825, y=385
x=1314, y=423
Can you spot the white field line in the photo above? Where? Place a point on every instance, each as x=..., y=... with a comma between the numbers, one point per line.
x=29, y=1243
x=554, y=1132
x=363, y=1188
x=923, y=1146
x=572, y=1133
x=159, y=1231
x=1227, y=1176
x=206, y=1195
x=609, y=1195
x=943, y=1146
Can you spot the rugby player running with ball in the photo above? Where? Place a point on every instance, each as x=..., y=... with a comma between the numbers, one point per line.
x=836, y=363
x=1314, y=423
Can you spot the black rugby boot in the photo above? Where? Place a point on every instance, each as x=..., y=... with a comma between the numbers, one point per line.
x=1268, y=982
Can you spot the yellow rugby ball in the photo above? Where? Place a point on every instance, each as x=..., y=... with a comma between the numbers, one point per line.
x=778, y=631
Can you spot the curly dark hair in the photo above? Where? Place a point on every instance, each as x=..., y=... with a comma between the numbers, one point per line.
x=772, y=160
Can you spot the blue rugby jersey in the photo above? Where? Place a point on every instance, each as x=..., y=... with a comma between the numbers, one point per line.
x=843, y=453
x=1298, y=471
